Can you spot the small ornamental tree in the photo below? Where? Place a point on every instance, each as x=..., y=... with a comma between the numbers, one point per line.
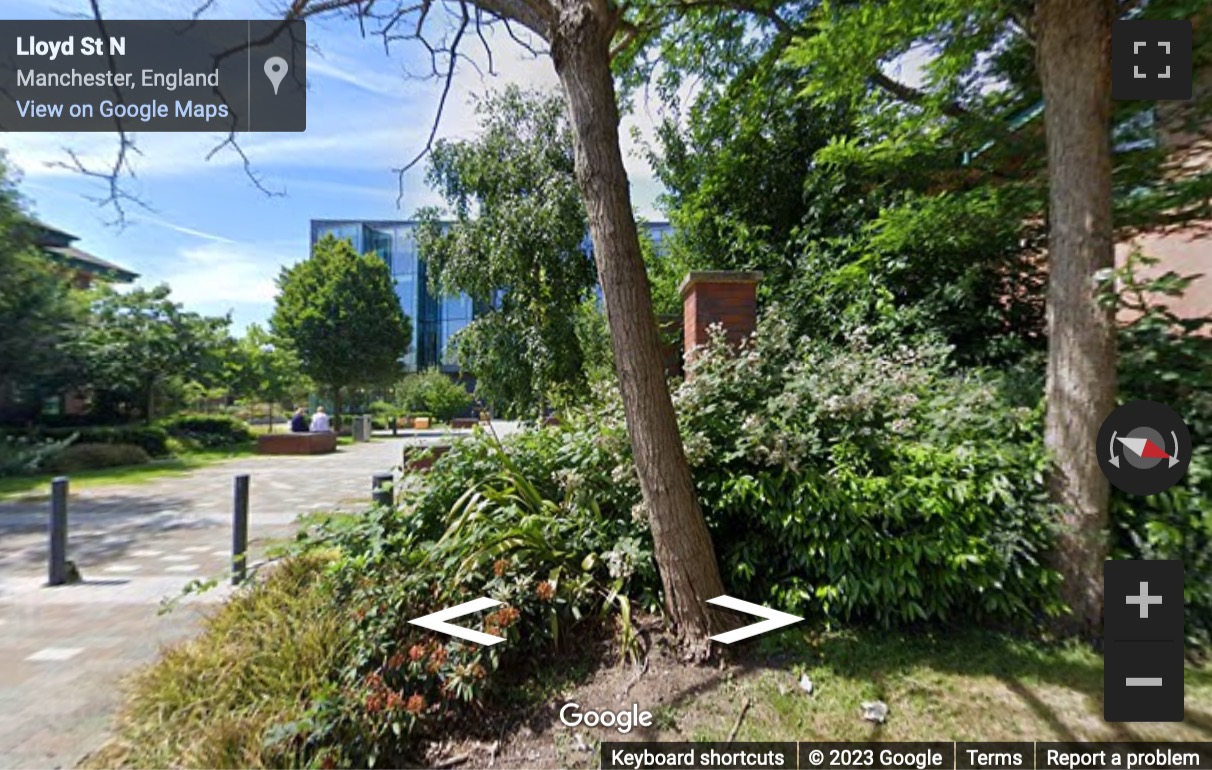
x=266, y=369
x=340, y=313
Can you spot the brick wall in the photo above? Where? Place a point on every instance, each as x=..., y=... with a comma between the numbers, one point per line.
x=728, y=298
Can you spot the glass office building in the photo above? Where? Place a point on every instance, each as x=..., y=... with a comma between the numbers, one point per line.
x=435, y=320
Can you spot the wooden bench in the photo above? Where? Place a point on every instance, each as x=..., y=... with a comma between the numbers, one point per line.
x=464, y=422
x=296, y=443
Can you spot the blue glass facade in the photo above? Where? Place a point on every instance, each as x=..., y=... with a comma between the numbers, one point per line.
x=435, y=320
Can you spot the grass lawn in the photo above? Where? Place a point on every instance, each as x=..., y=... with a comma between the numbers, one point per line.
x=205, y=702
x=950, y=685
x=953, y=686
x=39, y=485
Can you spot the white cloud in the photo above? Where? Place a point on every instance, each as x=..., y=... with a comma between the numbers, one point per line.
x=184, y=230
x=382, y=81
x=214, y=276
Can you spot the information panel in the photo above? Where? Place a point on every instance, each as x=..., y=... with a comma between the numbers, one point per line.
x=153, y=75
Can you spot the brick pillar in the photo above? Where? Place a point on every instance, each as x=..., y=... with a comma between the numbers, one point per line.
x=726, y=297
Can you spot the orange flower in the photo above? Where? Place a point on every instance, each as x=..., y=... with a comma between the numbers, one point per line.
x=416, y=652
x=509, y=616
x=394, y=700
x=374, y=703
x=436, y=661
x=545, y=591
x=415, y=705
x=396, y=660
x=499, y=567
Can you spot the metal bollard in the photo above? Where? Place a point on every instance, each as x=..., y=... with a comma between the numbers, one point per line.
x=57, y=572
x=239, y=532
x=381, y=489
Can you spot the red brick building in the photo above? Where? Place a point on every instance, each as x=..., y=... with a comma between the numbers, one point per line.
x=85, y=269
x=1186, y=250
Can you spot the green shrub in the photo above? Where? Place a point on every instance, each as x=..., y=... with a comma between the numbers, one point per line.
x=487, y=520
x=208, y=431
x=20, y=455
x=151, y=438
x=384, y=414
x=87, y=457
x=864, y=482
x=432, y=393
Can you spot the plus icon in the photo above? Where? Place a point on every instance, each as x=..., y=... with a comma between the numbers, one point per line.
x=1143, y=641
x=1144, y=600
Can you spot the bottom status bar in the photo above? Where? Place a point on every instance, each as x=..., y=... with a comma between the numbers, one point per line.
x=934, y=755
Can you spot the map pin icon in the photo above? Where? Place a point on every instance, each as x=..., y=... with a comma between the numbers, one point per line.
x=275, y=70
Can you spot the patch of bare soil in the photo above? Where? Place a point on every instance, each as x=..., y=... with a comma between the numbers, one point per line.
x=660, y=683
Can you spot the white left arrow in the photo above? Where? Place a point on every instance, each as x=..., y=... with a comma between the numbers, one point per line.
x=436, y=621
x=774, y=619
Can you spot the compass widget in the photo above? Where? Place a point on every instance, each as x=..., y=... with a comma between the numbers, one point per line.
x=1144, y=447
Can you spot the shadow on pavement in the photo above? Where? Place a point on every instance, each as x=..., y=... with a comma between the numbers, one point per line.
x=98, y=530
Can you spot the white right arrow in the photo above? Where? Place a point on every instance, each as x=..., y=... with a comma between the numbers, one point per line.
x=437, y=621
x=774, y=619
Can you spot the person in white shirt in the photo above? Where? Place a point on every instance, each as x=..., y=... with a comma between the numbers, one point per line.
x=320, y=422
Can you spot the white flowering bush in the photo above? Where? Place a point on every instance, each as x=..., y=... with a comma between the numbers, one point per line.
x=868, y=481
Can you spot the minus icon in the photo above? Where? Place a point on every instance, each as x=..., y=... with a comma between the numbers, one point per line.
x=1144, y=681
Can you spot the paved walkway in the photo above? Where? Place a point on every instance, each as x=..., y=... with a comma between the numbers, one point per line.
x=63, y=650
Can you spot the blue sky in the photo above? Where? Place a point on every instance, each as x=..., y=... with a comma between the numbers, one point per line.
x=213, y=237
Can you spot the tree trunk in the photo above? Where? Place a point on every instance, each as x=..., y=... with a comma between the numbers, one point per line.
x=683, y=548
x=1074, y=58
x=149, y=397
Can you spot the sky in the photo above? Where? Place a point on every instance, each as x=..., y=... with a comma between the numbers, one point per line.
x=211, y=235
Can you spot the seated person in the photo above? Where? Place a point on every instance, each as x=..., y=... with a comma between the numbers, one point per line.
x=298, y=423
x=320, y=422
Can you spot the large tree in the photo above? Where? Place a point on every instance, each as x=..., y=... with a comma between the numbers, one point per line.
x=38, y=309
x=136, y=347
x=339, y=311
x=1073, y=48
x=516, y=247
x=760, y=178
x=583, y=38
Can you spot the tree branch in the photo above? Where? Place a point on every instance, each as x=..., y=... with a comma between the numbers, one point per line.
x=915, y=96
x=449, y=79
x=126, y=145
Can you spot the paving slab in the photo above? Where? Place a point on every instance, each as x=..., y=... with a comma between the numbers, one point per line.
x=64, y=651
